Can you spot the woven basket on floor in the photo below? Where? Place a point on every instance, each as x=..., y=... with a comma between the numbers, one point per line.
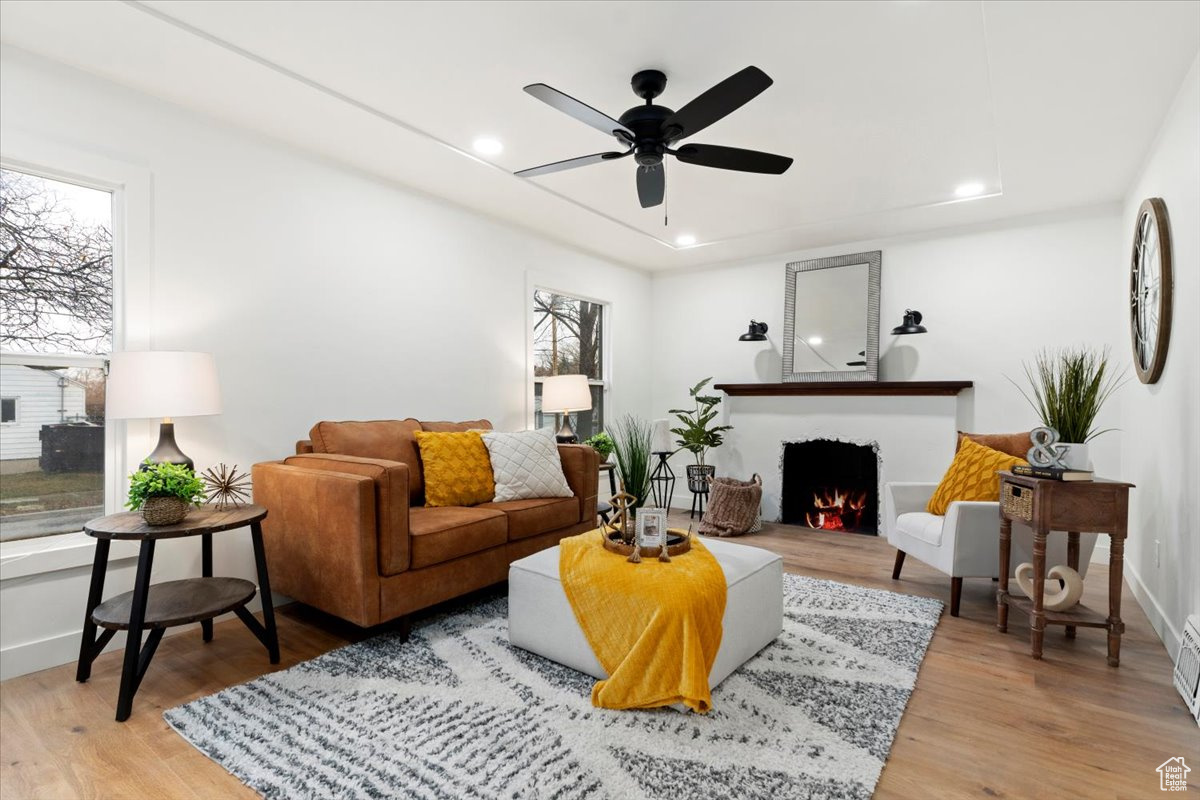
x=733, y=507
x=164, y=510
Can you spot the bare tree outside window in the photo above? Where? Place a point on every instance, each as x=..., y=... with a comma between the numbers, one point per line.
x=568, y=336
x=56, y=324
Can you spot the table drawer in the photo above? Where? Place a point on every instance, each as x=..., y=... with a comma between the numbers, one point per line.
x=1016, y=501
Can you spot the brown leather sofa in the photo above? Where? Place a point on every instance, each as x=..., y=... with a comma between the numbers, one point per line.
x=348, y=531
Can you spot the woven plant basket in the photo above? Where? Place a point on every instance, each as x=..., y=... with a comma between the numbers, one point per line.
x=164, y=510
x=733, y=507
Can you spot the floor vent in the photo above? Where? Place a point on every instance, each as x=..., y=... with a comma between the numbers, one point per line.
x=1187, y=666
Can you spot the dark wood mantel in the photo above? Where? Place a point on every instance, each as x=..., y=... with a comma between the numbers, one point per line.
x=857, y=388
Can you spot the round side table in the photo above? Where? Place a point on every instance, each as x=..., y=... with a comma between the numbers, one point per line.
x=165, y=605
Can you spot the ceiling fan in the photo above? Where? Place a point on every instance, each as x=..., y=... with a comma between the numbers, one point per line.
x=650, y=131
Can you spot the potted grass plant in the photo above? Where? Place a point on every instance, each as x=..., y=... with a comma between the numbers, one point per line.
x=1068, y=388
x=698, y=435
x=631, y=443
x=164, y=492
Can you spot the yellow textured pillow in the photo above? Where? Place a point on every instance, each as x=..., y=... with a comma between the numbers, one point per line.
x=457, y=469
x=972, y=476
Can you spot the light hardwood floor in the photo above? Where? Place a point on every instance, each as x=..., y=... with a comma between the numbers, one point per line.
x=985, y=720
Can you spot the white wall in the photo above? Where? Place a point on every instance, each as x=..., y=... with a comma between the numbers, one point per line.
x=1160, y=442
x=324, y=294
x=992, y=297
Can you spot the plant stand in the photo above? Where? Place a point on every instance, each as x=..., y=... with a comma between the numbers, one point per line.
x=698, y=476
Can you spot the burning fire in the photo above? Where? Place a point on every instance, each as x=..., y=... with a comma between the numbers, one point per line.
x=836, y=509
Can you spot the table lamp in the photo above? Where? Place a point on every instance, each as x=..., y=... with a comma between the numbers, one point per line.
x=163, y=384
x=562, y=394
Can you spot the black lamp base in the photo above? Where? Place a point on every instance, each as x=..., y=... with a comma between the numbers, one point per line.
x=167, y=452
x=566, y=434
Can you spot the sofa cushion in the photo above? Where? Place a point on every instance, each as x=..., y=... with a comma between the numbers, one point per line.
x=456, y=427
x=531, y=517
x=526, y=465
x=457, y=469
x=972, y=476
x=921, y=525
x=389, y=439
x=441, y=534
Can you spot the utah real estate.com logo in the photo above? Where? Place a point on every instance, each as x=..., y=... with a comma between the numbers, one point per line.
x=1172, y=775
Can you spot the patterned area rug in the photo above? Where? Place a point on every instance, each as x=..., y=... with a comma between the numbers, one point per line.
x=457, y=712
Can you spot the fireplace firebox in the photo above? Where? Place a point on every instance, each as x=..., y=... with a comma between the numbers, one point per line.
x=831, y=485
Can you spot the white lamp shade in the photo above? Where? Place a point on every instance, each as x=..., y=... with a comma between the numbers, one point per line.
x=160, y=383
x=562, y=393
x=660, y=438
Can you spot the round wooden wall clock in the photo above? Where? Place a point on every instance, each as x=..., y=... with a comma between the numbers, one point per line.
x=1150, y=289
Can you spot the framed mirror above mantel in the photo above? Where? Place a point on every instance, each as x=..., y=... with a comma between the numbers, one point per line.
x=831, y=319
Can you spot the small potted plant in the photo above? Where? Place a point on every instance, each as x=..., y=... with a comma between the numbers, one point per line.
x=163, y=492
x=1069, y=388
x=698, y=435
x=602, y=443
x=631, y=443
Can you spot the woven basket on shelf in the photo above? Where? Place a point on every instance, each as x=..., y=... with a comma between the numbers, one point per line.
x=164, y=510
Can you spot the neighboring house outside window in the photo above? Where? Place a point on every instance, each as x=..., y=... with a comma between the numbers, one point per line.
x=56, y=331
x=568, y=339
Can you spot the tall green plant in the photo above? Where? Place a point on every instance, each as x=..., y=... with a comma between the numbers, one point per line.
x=1069, y=387
x=695, y=434
x=631, y=442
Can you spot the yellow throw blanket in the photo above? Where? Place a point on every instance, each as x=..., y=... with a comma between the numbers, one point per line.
x=655, y=627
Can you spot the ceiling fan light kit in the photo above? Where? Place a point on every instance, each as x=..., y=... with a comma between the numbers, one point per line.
x=649, y=132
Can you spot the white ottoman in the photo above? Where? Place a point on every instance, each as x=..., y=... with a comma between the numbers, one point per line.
x=541, y=620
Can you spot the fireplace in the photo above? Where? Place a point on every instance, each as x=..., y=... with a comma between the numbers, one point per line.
x=831, y=485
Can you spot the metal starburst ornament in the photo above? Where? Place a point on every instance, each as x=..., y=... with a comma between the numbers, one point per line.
x=226, y=488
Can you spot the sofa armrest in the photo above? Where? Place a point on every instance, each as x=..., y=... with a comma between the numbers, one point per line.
x=903, y=498
x=320, y=538
x=581, y=466
x=392, y=492
x=972, y=530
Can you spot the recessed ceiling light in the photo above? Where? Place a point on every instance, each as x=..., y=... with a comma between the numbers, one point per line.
x=971, y=189
x=685, y=240
x=815, y=340
x=487, y=146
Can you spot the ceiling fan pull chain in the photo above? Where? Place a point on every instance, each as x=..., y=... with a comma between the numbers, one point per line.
x=666, y=199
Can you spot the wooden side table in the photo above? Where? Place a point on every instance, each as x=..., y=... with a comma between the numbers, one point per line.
x=166, y=605
x=1045, y=505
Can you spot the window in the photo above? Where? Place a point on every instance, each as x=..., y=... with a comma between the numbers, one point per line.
x=568, y=339
x=56, y=328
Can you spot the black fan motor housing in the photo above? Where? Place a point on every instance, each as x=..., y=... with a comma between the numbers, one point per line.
x=646, y=123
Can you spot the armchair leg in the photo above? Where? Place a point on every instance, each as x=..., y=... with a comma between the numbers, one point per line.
x=955, y=595
x=899, y=563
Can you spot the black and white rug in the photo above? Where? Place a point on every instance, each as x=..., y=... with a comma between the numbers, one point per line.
x=457, y=712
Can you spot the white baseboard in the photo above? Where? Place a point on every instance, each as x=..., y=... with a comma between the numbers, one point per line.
x=53, y=651
x=1170, y=636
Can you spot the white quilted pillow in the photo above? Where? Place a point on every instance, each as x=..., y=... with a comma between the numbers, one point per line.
x=525, y=465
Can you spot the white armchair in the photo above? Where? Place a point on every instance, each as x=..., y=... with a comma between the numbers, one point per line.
x=966, y=542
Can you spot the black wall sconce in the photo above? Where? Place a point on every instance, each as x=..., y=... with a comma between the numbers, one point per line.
x=912, y=324
x=757, y=332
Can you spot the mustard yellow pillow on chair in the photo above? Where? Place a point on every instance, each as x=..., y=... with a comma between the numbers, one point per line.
x=972, y=476
x=456, y=467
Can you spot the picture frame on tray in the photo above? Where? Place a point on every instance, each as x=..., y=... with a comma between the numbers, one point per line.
x=651, y=527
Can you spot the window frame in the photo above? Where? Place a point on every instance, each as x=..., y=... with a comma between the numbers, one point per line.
x=534, y=284
x=132, y=202
x=16, y=420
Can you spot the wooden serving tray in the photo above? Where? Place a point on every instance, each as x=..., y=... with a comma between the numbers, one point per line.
x=678, y=543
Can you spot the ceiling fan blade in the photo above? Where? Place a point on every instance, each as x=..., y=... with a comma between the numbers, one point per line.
x=651, y=185
x=579, y=110
x=726, y=97
x=735, y=158
x=570, y=163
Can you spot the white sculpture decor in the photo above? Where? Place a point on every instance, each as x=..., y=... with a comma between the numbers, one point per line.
x=1066, y=597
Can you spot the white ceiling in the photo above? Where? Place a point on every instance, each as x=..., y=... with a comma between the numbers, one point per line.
x=886, y=107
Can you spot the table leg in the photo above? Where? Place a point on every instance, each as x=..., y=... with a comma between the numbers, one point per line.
x=130, y=674
x=1116, y=566
x=1037, y=617
x=88, y=649
x=264, y=589
x=1002, y=589
x=206, y=569
x=1073, y=563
